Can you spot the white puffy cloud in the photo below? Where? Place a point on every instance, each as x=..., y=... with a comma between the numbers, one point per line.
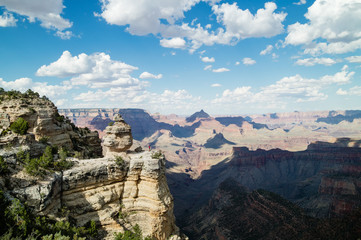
x=23, y=84
x=313, y=61
x=146, y=75
x=248, y=61
x=67, y=65
x=354, y=59
x=96, y=71
x=243, y=24
x=47, y=12
x=240, y=94
x=287, y=90
x=65, y=34
x=301, y=2
x=143, y=17
x=208, y=60
x=356, y=90
x=216, y=85
x=220, y=70
x=332, y=27
x=7, y=20
x=165, y=19
x=176, y=42
x=267, y=50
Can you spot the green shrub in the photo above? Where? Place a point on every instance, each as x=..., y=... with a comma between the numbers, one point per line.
x=157, y=155
x=44, y=139
x=110, y=123
x=78, y=155
x=135, y=234
x=20, y=126
x=17, y=222
x=40, y=166
x=63, y=154
x=119, y=161
x=22, y=157
x=3, y=166
x=91, y=228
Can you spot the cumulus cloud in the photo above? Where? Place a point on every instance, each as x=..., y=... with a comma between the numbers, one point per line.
x=267, y=50
x=165, y=19
x=356, y=90
x=96, y=71
x=208, y=60
x=7, y=20
x=216, y=85
x=333, y=27
x=301, y=2
x=354, y=59
x=23, y=84
x=47, y=12
x=243, y=24
x=67, y=65
x=146, y=75
x=176, y=42
x=287, y=90
x=220, y=70
x=313, y=61
x=248, y=61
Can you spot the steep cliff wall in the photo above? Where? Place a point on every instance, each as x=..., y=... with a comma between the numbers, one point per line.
x=117, y=196
x=315, y=179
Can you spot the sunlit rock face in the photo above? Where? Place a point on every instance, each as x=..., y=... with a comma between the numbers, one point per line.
x=118, y=137
x=44, y=121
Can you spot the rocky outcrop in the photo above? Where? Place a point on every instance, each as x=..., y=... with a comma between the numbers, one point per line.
x=45, y=122
x=118, y=192
x=116, y=195
x=118, y=137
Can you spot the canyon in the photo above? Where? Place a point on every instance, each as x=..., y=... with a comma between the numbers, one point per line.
x=310, y=159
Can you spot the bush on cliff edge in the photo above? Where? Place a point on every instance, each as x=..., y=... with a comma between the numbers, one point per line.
x=20, y=126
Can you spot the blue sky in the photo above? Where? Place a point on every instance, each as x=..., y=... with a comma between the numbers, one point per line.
x=180, y=56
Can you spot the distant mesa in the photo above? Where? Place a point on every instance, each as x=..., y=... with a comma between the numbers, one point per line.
x=274, y=116
x=217, y=141
x=194, y=116
x=238, y=121
x=334, y=118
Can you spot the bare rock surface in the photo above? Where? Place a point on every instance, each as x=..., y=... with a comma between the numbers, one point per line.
x=118, y=137
x=116, y=195
x=44, y=121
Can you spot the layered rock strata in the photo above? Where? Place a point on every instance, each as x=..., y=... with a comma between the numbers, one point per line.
x=118, y=137
x=116, y=195
x=44, y=121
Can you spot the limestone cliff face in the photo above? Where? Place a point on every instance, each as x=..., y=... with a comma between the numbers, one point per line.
x=116, y=196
